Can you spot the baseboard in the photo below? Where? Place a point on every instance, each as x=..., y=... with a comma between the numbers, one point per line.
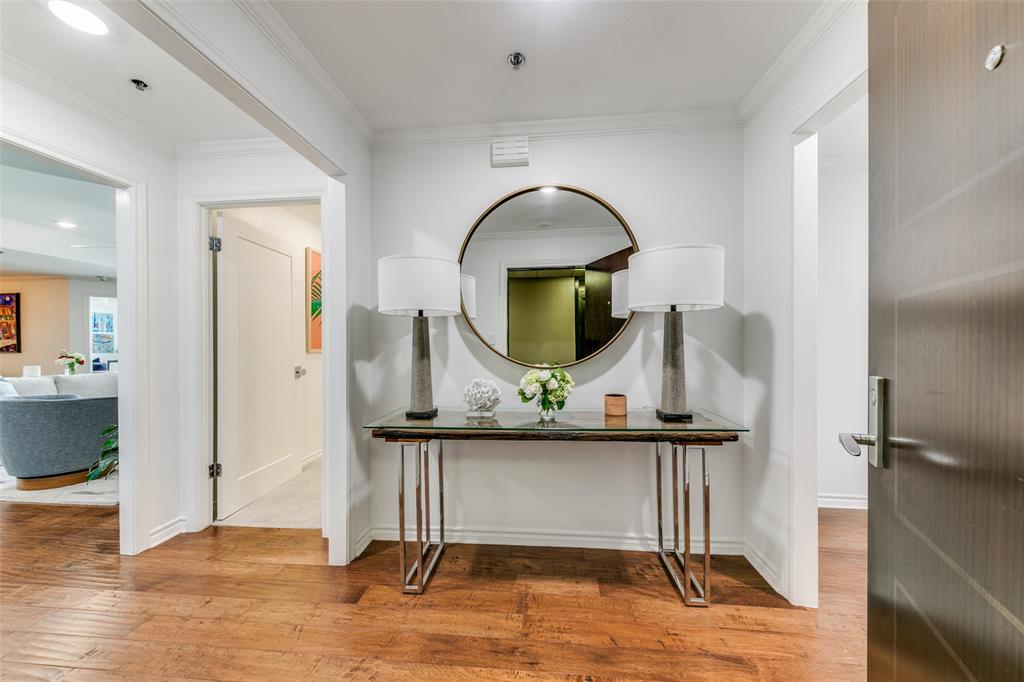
x=165, y=532
x=545, y=538
x=761, y=564
x=311, y=459
x=362, y=543
x=838, y=501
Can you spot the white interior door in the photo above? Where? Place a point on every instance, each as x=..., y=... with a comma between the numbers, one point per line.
x=256, y=386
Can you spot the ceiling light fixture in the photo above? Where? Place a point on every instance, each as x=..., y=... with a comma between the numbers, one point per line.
x=66, y=224
x=140, y=84
x=78, y=17
x=548, y=189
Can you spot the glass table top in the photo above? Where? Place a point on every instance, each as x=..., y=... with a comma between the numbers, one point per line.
x=567, y=420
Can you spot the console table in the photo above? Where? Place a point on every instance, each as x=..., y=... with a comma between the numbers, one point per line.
x=638, y=426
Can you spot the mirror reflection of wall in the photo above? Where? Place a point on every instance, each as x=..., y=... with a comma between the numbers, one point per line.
x=543, y=261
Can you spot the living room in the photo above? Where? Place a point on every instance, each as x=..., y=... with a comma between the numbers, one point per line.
x=59, y=358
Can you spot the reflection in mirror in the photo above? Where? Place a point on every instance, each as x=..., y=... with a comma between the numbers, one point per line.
x=543, y=260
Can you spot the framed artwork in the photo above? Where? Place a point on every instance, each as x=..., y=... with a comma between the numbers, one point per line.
x=103, y=322
x=10, y=323
x=314, y=302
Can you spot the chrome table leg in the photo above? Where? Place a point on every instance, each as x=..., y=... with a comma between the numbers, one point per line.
x=689, y=583
x=416, y=577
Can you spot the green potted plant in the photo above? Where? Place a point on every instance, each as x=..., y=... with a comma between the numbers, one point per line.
x=107, y=462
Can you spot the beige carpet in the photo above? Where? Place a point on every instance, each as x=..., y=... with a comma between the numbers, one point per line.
x=295, y=504
x=101, y=493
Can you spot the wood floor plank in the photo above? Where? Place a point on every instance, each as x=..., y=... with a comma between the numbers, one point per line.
x=262, y=604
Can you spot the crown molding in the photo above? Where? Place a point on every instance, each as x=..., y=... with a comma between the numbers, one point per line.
x=795, y=53
x=53, y=89
x=277, y=31
x=223, y=149
x=561, y=128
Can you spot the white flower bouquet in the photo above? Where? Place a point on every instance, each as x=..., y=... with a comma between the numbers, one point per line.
x=550, y=386
x=70, y=361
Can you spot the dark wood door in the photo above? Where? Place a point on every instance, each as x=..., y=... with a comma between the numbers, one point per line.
x=946, y=516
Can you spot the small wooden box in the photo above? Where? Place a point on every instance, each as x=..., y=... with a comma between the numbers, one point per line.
x=615, y=405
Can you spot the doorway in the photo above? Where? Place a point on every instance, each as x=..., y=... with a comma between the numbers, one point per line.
x=829, y=304
x=268, y=365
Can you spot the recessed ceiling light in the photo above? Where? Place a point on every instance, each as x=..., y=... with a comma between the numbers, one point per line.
x=78, y=17
x=549, y=189
x=66, y=224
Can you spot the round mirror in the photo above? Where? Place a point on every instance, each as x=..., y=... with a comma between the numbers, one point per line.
x=542, y=259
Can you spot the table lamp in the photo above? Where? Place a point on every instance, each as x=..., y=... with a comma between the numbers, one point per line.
x=620, y=294
x=673, y=279
x=419, y=287
x=469, y=296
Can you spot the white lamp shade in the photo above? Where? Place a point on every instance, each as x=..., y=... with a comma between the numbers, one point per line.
x=469, y=295
x=620, y=294
x=410, y=285
x=687, y=276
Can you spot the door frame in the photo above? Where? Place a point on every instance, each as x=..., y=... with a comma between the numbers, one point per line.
x=133, y=380
x=197, y=343
x=803, y=380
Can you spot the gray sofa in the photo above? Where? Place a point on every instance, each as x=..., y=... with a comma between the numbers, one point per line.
x=45, y=435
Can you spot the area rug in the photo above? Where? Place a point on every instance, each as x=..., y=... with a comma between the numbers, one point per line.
x=295, y=504
x=100, y=493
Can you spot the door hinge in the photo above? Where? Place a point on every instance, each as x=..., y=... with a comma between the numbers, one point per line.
x=215, y=244
x=215, y=470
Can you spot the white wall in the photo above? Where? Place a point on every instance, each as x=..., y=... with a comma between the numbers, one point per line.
x=671, y=187
x=55, y=122
x=299, y=230
x=842, y=327
x=825, y=63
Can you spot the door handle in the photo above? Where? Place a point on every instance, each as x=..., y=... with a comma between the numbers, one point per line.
x=299, y=372
x=876, y=436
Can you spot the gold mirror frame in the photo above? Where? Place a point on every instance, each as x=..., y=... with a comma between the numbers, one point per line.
x=513, y=195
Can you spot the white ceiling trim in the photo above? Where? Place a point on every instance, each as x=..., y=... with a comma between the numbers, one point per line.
x=36, y=80
x=260, y=146
x=277, y=31
x=589, y=126
x=782, y=69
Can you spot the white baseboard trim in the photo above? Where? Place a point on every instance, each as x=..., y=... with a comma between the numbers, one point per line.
x=546, y=538
x=165, y=532
x=839, y=501
x=362, y=543
x=311, y=459
x=761, y=564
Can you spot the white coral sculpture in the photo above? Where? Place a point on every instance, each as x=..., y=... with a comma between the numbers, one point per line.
x=482, y=395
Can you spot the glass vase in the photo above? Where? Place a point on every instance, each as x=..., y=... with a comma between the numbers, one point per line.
x=547, y=416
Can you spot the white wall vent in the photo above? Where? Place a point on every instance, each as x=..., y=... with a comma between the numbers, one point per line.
x=510, y=151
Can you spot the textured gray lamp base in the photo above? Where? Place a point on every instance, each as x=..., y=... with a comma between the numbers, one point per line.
x=421, y=395
x=673, y=373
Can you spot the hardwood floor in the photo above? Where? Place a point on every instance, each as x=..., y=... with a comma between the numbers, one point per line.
x=261, y=604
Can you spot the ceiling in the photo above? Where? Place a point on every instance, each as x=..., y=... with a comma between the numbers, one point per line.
x=34, y=194
x=408, y=64
x=178, y=105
